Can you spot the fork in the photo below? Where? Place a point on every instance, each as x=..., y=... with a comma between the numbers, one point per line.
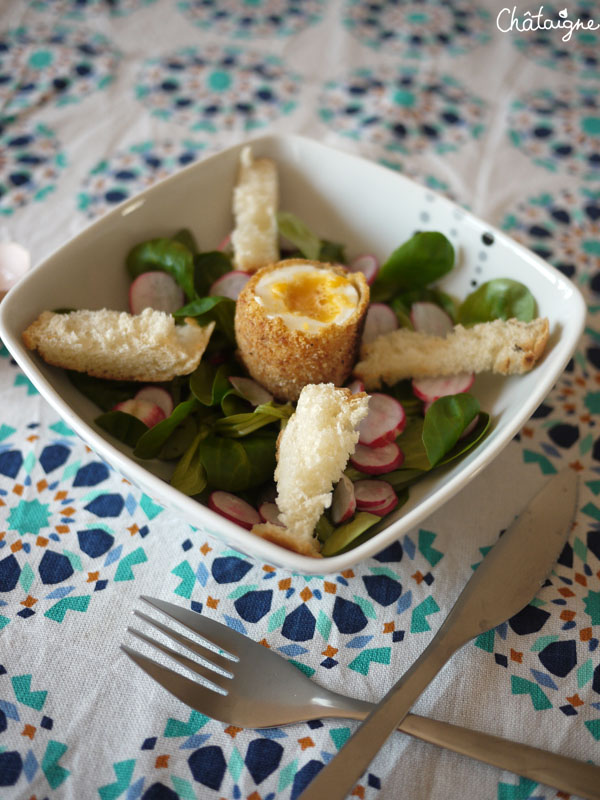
x=248, y=685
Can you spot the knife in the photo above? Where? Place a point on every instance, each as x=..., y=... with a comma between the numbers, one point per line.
x=504, y=582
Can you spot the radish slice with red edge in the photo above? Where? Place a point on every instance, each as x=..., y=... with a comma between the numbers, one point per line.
x=377, y=460
x=430, y=389
x=380, y=319
x=385, y=420
x=149, y=413
x=431, y=319
x=373, y=494
x=157, y=395
x=356, y=386
x=234, y=508
x=384, y=508
x=269, y=513
x=367, y=264
x=251, y=391
x=156, y=290
x=343, y=502
x=230, y=284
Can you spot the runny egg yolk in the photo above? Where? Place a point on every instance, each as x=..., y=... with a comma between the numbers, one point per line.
x=307, y=297
x=314, y=295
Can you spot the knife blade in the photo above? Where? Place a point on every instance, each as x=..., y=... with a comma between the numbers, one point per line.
x=504, y=582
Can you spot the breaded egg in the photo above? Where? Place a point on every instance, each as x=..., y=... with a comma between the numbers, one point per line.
x=299, y=322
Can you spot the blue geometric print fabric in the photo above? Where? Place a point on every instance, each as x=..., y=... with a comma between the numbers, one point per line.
x=99, y=101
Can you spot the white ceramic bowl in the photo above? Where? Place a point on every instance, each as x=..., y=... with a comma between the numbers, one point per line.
x=342, y=198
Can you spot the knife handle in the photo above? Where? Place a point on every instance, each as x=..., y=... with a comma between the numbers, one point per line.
x=561, y=772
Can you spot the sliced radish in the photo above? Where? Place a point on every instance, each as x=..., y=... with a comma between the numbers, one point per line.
x=430, y=389
x=230, y=284
x=251, y=391
x=234, y=508
x=431, y=319
x=384, y=508
x=367, y=264
x=149, y=413
x=356, y=386
x=377, y=460
x=158, y=395
x=156, y=290
x=385, y=420
x=380, y=319
x=269, y=513
x=470, y=427
x=343, y=503
x=373, y=494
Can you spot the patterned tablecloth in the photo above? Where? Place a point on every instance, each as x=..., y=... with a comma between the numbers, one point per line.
x=100, y=98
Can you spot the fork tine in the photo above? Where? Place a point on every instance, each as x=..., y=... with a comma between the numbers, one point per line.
x=219, y=682
x=193, y=694
x=210, y=658
x=215, y=633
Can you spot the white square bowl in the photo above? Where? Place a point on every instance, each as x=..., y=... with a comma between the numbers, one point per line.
x=342, y=198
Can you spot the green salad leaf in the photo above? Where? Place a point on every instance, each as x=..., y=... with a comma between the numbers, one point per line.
x=168, y=255
x=295, y=231
x=185, y=237
x=152, y=441
x=444, y=423
x=424, y=258
x=104, y=393
x=235, y=465
x=124, y=427
x=189, y=475
x=332, y=252
x=500, y=298
x=209, y=267
x=210, y=384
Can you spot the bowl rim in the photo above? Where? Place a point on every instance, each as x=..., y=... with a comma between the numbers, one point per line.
x=228, y=533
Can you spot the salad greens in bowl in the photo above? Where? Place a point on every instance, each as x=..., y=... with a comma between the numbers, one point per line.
x=217, y=434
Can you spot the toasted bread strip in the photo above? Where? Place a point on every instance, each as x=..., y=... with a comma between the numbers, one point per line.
x=313, y=450
x=119, y=346
x=255, y=198
x=506, y=347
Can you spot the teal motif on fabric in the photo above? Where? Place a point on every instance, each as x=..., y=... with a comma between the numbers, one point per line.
x=429, y=553
x=58, y=611
x=124, y=571
x=55, y=774
x=22, y=688
x=519, y=791
x=593, y=726
x=29, y=516
x=124, y=772
x=485, y=641
x=592, y=606
x=176, y=728
x=188, y=579
x=376, y=655
x=418, y=621
x=522, y=686
x=546, y=466
x=340, y=736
